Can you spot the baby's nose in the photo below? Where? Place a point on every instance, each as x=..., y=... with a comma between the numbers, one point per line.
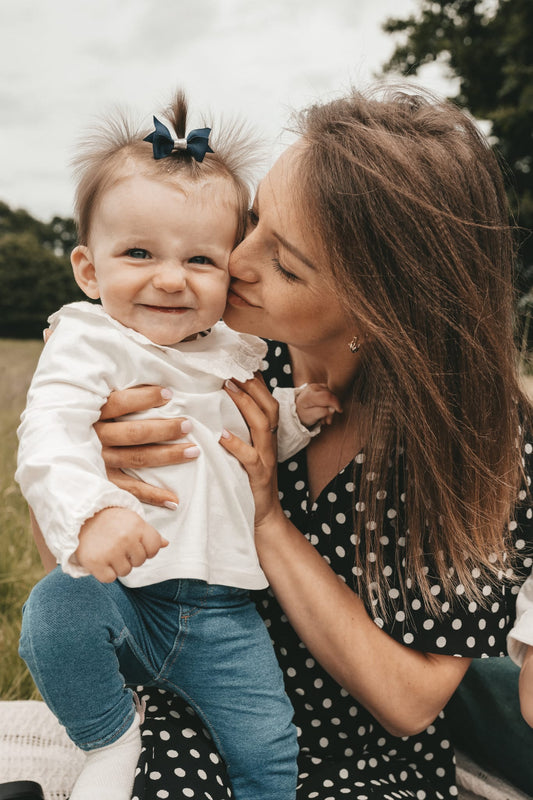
x=170, y=278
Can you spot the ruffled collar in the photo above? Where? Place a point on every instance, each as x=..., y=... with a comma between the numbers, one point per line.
x=220, y=351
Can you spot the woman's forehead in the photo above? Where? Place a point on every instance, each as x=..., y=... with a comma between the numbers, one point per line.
x=279, y=186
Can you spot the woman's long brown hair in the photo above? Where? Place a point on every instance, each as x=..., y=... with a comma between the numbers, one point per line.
x=409, y=202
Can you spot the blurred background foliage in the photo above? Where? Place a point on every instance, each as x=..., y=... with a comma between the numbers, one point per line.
x=486, y=45
x=35, y=273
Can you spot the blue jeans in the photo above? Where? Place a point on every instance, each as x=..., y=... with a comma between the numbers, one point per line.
x=84, y=640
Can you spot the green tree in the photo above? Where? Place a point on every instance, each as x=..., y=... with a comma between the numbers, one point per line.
x=487, y=45
x=35, y=273
x=58, y=235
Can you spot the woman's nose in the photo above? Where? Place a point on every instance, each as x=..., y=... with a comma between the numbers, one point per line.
x=170, y=278
x=242, y=262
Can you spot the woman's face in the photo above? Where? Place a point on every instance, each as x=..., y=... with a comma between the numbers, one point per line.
x=279, y=288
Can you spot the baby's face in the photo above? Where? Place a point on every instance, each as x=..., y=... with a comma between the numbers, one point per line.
x=160, y=254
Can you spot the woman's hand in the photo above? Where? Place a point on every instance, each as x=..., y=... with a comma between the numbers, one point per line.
x=259, y=459
x=131, y=444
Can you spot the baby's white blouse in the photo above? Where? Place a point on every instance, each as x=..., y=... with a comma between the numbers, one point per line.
x=521, y=635
x=61, y=471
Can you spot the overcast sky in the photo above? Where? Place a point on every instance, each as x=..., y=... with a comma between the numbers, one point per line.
x=64, y=62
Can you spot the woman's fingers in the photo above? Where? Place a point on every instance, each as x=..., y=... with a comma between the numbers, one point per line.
x=261, y=416
x=257, y=389
x=157, y=455
x=260, y=465
x=136, y=398
x=258, y=407
x=141, y=431
x=138, y=443
x=144, y=492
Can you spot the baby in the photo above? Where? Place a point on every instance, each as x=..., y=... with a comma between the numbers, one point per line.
x=158, y=217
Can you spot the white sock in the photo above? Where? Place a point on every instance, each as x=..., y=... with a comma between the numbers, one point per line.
x=109, y=771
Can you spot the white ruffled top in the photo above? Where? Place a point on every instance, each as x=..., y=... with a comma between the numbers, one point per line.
x=61, y=471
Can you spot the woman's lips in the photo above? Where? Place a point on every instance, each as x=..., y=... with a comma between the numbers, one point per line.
x=236, y=299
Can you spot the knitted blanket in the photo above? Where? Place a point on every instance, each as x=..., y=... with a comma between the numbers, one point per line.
x=35, y=747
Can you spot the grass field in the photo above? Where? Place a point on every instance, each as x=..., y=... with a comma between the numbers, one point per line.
x=20, y=567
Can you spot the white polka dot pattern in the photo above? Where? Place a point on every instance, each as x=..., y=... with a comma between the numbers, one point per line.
x=345, y=753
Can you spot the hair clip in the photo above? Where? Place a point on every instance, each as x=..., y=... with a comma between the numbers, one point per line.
x=163, y=143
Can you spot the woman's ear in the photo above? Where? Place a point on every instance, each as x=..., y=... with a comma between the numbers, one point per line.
x=84, y=271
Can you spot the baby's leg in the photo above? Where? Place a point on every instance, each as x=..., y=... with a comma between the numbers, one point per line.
x=73, y=632
x=225, y=665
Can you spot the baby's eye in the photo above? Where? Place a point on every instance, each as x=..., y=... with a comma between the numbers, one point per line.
x=200, y=260
x=138, y=252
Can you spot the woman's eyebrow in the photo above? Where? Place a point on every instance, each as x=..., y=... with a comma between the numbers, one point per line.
x=294, y=250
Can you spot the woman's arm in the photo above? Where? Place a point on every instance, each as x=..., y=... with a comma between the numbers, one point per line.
x=403, y=688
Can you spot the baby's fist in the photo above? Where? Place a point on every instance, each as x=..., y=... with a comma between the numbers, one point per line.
x=315, y=403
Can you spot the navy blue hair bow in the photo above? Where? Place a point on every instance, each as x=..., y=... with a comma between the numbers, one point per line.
x=196, y=143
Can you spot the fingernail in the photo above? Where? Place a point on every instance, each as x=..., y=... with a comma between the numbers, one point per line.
x=231, y=386
x=186, y=426
x=171, y=505
x=191, y=452
x=225, y=434
x=166, y=394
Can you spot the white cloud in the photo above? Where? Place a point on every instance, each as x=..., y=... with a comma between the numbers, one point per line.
x=65, y=61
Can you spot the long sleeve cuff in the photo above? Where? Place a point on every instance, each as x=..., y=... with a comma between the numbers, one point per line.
x=293, y=436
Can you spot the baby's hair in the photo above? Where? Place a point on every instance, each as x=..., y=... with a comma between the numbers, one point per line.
x=115, y=149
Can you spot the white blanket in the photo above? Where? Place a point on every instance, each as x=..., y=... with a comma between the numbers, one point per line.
x=35, y=747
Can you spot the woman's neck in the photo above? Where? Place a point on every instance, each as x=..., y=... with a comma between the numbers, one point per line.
x=337, y=369
x=340, y=441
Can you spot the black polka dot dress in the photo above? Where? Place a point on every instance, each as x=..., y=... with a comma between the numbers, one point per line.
x=344, y=752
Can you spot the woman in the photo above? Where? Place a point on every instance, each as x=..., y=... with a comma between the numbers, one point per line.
x=378, y=259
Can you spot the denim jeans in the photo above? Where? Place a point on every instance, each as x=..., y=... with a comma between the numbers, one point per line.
x=84, y=640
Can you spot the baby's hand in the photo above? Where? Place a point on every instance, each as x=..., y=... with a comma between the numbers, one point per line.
x=114, y=541
x=315, y=403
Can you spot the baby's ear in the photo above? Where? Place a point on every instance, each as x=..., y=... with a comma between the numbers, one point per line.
x=84, y=272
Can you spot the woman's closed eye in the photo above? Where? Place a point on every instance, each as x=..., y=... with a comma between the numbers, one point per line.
x=288, y=276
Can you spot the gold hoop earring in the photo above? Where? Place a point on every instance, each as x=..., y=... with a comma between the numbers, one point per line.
x=354, y=344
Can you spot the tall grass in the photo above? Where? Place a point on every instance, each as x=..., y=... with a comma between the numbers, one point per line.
x=20, y=567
